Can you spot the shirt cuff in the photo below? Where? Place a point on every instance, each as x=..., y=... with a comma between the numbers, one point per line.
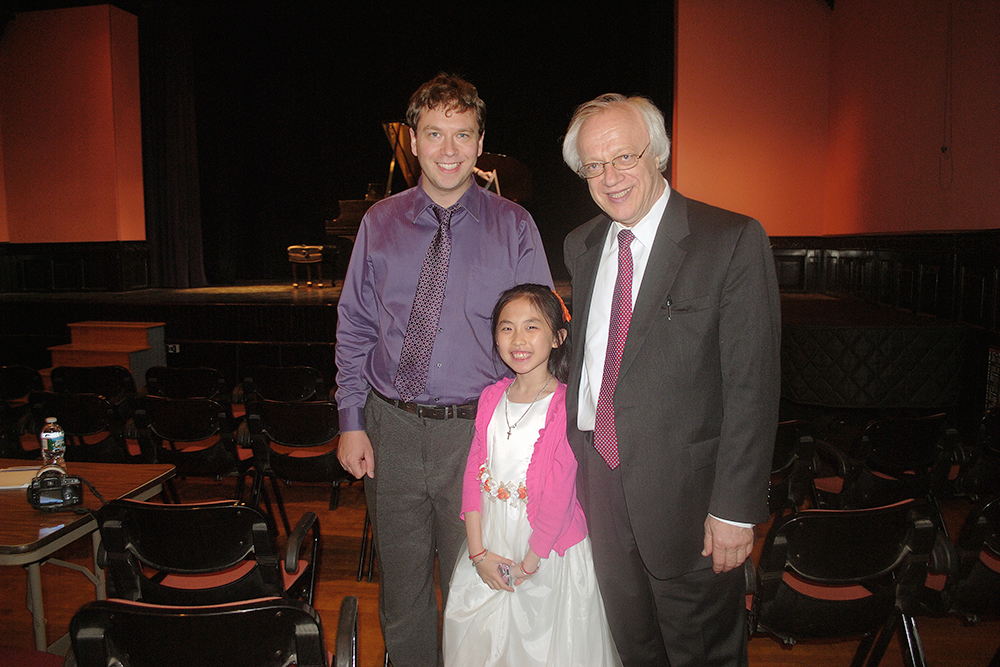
x=738, y=524
x=351, y=419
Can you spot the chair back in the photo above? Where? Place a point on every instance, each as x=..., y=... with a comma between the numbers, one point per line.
x=294, y=424
x=285, y=383
x=93, y=429
x=302, y=426
x=901, y=445
x=114, y=383
x=151, y=547
x=17, y=382
x=162, y=423
x=193, y=382
x=264, y=633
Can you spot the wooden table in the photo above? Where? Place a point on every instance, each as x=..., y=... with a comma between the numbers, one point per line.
x=29, y=537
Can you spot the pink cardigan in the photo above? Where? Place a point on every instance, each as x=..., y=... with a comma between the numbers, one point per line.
x=555, y=515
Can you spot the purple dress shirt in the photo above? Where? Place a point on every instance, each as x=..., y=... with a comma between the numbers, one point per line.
x=495, y=245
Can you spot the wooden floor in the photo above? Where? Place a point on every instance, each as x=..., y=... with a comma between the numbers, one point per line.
x=947, y=641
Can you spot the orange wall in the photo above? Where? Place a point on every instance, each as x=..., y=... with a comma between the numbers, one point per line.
x=4, y=231
x=70, y=127
x=829, y=122
x=750, y=111
x=889, y=96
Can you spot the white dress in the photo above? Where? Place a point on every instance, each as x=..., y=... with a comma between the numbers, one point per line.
x=556, y=617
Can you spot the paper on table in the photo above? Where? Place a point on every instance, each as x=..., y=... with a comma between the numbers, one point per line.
x=17, y=478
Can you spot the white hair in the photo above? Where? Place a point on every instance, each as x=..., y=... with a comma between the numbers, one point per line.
x=659, y=143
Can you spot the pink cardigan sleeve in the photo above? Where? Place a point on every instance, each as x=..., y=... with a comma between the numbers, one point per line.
x=553, y=508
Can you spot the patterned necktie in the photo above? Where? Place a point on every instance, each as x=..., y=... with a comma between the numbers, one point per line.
x=605, y=438
x=421, y=329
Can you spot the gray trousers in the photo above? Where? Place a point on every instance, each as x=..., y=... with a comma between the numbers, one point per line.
x=414, y=501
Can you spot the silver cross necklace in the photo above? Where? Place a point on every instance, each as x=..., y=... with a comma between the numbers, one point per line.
x=506, y=414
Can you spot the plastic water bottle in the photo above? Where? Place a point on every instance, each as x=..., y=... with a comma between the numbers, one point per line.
x=53, y=443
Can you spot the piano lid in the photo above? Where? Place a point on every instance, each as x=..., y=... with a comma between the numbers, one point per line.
x=513, y=178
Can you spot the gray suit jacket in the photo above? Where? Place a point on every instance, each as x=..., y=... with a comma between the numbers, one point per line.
x=696, y=403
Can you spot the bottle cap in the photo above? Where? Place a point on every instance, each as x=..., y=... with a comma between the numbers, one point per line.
x=50, y=420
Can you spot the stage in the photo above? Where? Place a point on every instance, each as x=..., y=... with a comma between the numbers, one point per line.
x=231, y=327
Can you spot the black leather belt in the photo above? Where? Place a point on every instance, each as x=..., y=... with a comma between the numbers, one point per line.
x=466, y=411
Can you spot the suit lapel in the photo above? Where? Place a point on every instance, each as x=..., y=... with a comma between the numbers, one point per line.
x=665, y=258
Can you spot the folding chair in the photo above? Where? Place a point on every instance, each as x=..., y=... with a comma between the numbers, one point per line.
x=295, y=442
x=205, y=553
x=834, y=574
x=262, y=633
x=194, y=434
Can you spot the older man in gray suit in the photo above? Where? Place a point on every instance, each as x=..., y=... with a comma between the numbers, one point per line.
x=673, y=401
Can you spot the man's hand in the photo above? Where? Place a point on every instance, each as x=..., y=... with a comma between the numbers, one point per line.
x=355, y=453
x=728, y=545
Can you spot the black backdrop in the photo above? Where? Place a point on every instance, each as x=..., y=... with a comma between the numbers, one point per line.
x=258, y=117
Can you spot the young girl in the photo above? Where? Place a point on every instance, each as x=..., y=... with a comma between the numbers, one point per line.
x=526, y=594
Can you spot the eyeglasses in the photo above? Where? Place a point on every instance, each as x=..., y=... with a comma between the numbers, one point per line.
x=621, y=163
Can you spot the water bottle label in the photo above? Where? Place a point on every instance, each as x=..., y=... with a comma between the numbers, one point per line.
x=54, y=442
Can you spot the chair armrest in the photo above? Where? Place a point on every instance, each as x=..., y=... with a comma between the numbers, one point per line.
x=346, y=648
x=308, y=522
x=828, y=455
x=243, y=437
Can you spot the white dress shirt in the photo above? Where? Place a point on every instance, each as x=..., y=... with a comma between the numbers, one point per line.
x=596, y=346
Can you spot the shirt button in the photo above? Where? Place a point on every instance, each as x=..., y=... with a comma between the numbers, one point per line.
x=439, y=365
x=437, y=400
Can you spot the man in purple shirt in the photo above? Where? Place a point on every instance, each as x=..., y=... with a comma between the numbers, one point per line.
x=409, y=438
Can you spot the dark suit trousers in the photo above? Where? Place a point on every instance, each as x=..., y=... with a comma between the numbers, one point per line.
x=415, y=503
x=696, y=619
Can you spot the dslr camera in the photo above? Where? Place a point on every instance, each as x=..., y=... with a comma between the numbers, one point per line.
x=53, y=490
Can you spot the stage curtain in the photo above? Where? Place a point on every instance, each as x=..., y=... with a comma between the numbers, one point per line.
x=169, y=146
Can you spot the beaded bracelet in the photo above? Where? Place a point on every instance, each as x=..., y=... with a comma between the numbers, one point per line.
x=525, y=572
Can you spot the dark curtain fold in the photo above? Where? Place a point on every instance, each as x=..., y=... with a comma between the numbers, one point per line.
x=169, y=146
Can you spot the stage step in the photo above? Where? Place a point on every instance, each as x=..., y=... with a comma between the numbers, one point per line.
x=135, y=345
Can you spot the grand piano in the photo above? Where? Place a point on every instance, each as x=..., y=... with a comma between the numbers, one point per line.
x=504, y=175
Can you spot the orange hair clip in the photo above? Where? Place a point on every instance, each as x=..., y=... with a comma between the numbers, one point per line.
x=565, y=310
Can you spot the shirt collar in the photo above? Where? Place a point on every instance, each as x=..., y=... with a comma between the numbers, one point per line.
x=472, y=200
x=645, y=229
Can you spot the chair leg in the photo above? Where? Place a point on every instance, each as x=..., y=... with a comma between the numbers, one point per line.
x=168, y=494
x=334, y=495
x=913, y=648
x=881, y=643
x=280, y=502
x=364, y=546
x=295, y=275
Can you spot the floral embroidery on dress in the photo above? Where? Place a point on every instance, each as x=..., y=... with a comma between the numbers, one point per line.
x=503, y=491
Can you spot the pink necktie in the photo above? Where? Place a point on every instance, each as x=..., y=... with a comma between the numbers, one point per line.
x=605, y=438
x=421, y=328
